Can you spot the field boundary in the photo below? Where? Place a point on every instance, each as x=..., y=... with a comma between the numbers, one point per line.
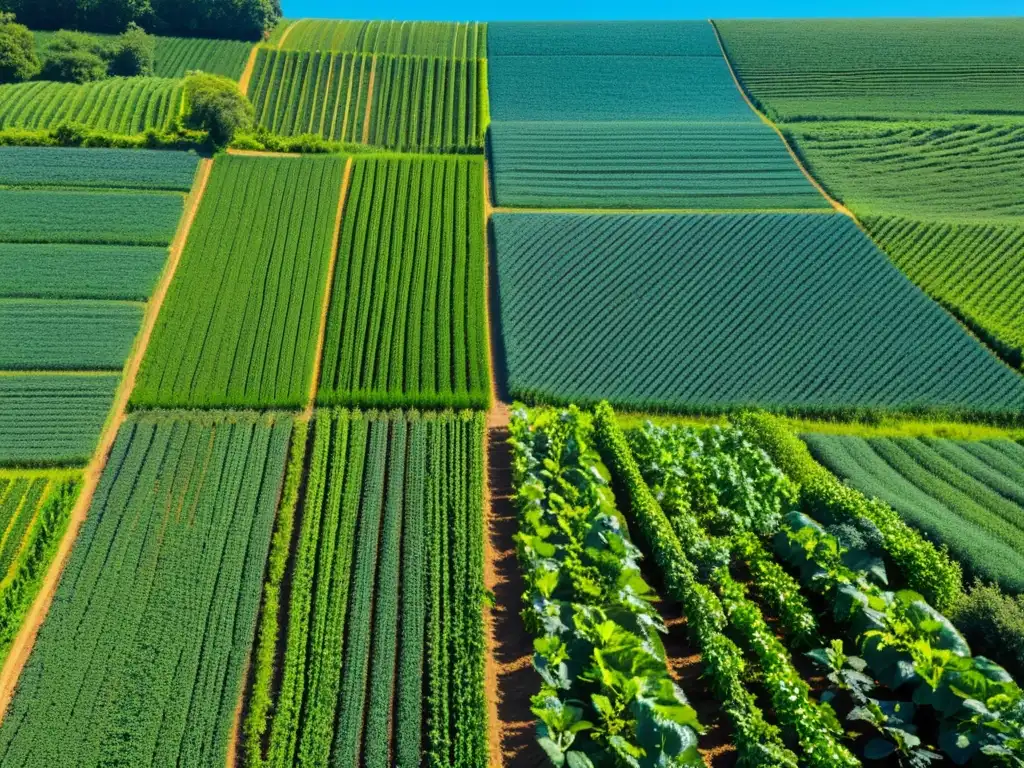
x=25, y=639
x=785, y=142
x=328, y=290
x=284, y=37
x=369, y=100
x=250, y=66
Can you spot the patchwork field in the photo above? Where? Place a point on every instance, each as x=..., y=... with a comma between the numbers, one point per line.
x=73, y=271
x=887, y=69
x=968, y=496
x=239, y=326
x=142, y=169
x=52, y=419
x=645, y=311
x=387, y=586
x=161, y=610
x=398, y=102
x=406, y=322
x=411, y=38
x=122, y=105
x=727, y=166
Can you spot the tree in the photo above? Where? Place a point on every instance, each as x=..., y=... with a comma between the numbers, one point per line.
x=75, y=57
x=134, y=53
x=18, y=59
x=217, y=106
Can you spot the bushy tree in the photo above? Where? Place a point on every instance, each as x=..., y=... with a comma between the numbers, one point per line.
x=134, y=53
x=18, y=59
x=75, y=57
x=217, y=106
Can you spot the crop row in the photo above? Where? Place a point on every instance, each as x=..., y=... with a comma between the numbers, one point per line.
x=387, y=585
x=878, y=68
x=601, y=38
x=406, y=322
x=34, y=512
x=416, y=38
x=606, y=690
x=646, y=165
x=42, y=335
x=175, y=56
x=976, y=270
x=117, y=105
x=399, y=102
x=97, y=168
x=715, y=487
x=142, y=656
x=968, y=496
x=787, y=311
x=52, y=419
x=239, y=327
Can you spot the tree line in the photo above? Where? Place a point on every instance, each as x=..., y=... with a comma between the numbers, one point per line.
x=235, y=19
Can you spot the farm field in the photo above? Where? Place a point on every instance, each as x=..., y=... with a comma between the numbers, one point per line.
x=239, y=326
x=121, y=105
x=52, y=419
x=411, y=38
x=728, y=166
x=932, y=170
x=601, y=38
x=406, y=325
x=889, y=69
x=387, y=586
x=968, y=496
x=645, y=311
x=974, y=269
x=398, y=102
x=73, y=271
x=153, y=620
x=34, y=512
x=57, y=167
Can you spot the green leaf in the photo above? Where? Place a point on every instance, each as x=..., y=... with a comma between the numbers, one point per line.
x=878, y=749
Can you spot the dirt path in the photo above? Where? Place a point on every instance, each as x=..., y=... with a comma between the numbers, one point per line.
x=250, y=65
x=318, y=360
x=280, y=43
x=26, y=637
x=369, y=100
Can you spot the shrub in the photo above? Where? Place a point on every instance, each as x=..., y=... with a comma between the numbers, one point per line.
x=74, y=57
x=993, y=624
x=133, y=54
x=18, y=59
x=217, y=106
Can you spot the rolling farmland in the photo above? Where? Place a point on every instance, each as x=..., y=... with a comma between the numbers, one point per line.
x=387, y=586
x=161, y=611
x=122, y=105
x=399, y=102
x=412, y=38
x=668, y=336
x=601, y=38
x=975, y=269
x=646, y=165
x=968, y=496
x=889, y=69
x=52, y=419
x=406, y=322
x=239, y=324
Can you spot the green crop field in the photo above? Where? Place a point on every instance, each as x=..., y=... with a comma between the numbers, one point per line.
x=966, y=495
x=415, y=38
x=44, y=271
x=102, y=168
x=239, y=326
x=52, y=419
x=123, y=105
x=66, y=335
x=646, y=310
x=104, y=218
x=601, y=38
x=399, y=102
x=975, y=269
x=407, y=324
x=879, y=68
x=383, y=649
x=727, y=166
x=918, y=169
x=161, y=611
x=34, y=511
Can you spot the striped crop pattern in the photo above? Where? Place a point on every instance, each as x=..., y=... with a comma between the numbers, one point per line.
x=406, y=322
x=399, y=102
x=417, y=38
x=239, y=327
x=710, y=312
x=118, y=105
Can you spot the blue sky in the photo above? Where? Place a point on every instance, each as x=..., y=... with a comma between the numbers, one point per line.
x=482, y=10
